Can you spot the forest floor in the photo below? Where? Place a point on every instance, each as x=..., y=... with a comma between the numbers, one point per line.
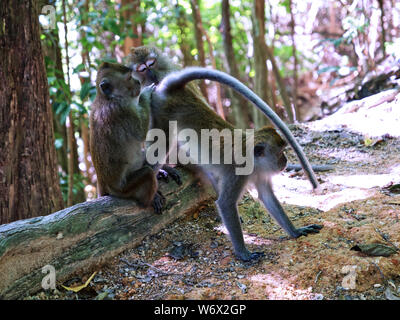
x=359, y=209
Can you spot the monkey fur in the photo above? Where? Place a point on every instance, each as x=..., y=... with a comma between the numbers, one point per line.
x=118, y=126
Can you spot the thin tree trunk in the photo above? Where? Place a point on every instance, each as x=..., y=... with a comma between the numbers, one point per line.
x=383, y=37
x=239, y=105
x=220, y=109
x=295, y=66
x=70, y=126
x=129, y=15
x=184, y=44
x=260, y=59
x=84, y=120
x=281, y=85
x=199, y=41
x=86, y=148
x=29, y=183
x=53, y=51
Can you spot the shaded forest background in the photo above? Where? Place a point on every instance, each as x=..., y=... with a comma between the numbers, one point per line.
x=304, y=58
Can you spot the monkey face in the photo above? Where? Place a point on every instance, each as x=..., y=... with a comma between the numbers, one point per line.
x=148, y=65
x=269, y=159
x=144, y=69
x=116, y=83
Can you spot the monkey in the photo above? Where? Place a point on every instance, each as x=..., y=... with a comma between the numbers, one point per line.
x=175, y=98
x=118, y=125
x=150, y=66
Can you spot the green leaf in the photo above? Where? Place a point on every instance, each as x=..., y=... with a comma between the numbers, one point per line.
x=79, y=68
x=85, y=89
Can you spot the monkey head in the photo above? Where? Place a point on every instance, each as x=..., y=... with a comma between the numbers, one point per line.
x=149, y=65
x=269, y=150
x=114, y=81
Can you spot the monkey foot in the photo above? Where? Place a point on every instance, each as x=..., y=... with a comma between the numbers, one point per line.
x=252, y=256
x=158, y=202
x=312, y=228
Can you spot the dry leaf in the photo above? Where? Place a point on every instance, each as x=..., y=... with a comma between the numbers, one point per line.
x=79, y=288
x=375, y=249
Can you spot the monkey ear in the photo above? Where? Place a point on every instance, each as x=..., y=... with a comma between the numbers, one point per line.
x=259, y=150
x=106, y=87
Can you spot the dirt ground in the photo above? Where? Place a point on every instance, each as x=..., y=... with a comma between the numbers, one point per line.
x=359, y=208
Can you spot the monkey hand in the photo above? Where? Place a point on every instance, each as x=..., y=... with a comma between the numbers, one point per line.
x=306, y=230
x=166, y=172
x=158, y=202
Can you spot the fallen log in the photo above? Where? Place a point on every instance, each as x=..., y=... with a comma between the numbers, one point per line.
x=81, y=238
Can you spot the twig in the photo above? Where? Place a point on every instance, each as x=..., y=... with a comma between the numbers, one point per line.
x=144, y=264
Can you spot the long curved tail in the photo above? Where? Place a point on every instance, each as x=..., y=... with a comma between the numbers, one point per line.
x=178, y=79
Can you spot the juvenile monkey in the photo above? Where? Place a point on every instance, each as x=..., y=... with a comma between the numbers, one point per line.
x=176, y=99
x=118, y=126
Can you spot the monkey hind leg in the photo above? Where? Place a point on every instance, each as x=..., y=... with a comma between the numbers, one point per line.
x=275, y=209
x=140, y=185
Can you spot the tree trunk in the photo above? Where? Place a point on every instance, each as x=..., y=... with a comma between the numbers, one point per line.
x=52, y=51
x=84, y=120
x=73, y=165
x=218, y=99
x=295, y=62
x=131, y=10
x=281, y=85
x=184, y=43
x=260, y=59
x=383, y=30
x=239, y=105
x=29, y=183
x=199, y=41
x=82, y=238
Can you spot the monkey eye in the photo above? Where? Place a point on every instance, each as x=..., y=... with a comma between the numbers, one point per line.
x=141, y=68
x=258, y=151
x=106, y=87
x=150, y=62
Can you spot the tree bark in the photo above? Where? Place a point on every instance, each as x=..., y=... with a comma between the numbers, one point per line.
x=218, y=99
x=281, y=85
x=29, y=183
x=184, y=43
x=199, y=41
x=239, y=105
x=84, y=237
x=383, y=30
x=260, y=59
x=129, y=14
x=295, y=62
x=52, y=51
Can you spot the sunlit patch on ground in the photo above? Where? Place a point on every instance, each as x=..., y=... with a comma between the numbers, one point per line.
x=276, y=287
x=337, y=188
x=374, y=122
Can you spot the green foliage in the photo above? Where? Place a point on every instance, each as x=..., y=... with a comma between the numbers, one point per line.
x=79, y=183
